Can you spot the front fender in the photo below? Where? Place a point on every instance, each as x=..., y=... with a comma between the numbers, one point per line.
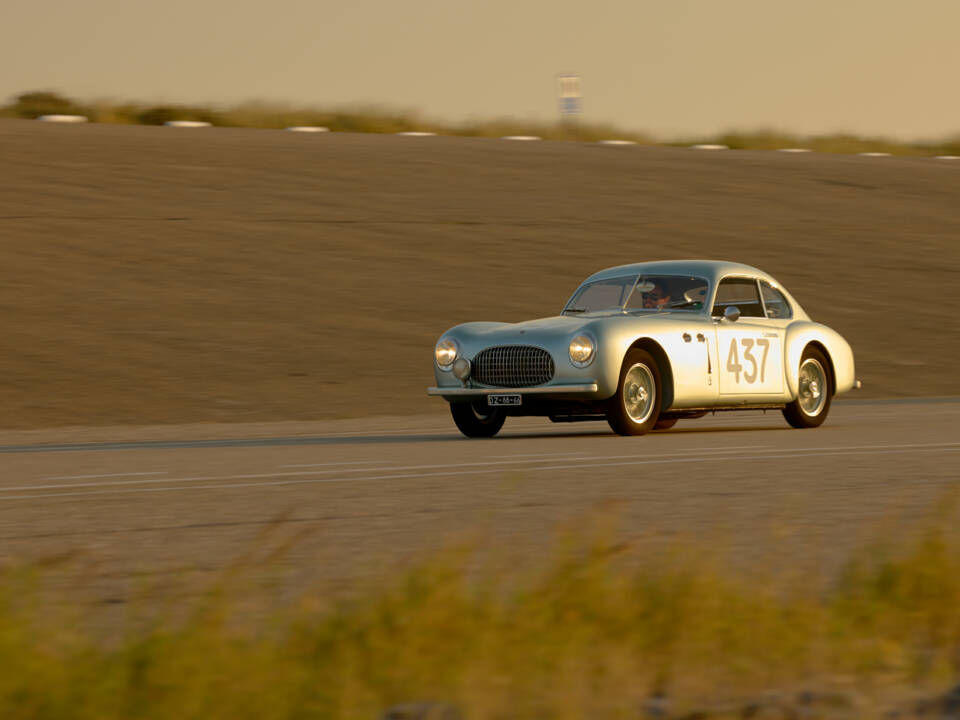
x=615, y=345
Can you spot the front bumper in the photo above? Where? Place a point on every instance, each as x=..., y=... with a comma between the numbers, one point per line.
x=559, y=390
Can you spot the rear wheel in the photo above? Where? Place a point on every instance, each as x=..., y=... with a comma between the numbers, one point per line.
x=665, y=423
x=476, y=420
x=814, y=392
x=635, y=407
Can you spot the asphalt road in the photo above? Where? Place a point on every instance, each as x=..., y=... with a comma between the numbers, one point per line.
x=348, y=499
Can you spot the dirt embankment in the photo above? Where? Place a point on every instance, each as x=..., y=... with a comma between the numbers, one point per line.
x=155, y=275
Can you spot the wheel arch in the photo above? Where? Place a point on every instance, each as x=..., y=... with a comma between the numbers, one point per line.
x=663, y=364
x=802, y=335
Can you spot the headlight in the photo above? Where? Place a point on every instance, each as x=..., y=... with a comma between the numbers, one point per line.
x=582, y=350
x=446, y=352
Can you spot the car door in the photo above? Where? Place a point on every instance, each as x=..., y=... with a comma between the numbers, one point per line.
x=750, y=348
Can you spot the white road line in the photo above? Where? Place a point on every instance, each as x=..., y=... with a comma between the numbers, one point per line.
x=146, y=444
x=797, y=454
x=506, y=457
x=355, y=462
x=109, y=475
x=374, y=433
x=206, y=478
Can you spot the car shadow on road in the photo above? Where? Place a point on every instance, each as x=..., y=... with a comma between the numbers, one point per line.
x=722, y=428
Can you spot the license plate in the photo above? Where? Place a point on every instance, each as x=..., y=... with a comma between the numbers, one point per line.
x=496, y=400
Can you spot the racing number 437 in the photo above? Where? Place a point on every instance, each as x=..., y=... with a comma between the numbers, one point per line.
x=750, y=368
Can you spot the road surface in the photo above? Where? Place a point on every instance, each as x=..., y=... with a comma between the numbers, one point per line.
x=349, y=499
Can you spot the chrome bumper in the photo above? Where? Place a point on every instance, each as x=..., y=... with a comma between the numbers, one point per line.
x=539, y=390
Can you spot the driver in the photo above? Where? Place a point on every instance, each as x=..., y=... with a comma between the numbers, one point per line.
x=656, y=298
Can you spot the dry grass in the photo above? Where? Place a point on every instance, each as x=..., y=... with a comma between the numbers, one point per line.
x=597, y=630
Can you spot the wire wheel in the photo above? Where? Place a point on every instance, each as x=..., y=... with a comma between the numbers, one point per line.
x=639, y=393
x=814, y=391
x=814, y=387
x=635, y=407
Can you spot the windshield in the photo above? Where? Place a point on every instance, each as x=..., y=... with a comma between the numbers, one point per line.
x=644, y=293
x=601, y=295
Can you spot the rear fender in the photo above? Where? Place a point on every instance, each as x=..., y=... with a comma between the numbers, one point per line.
x=803, y=334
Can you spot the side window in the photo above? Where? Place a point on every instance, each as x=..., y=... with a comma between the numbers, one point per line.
x=741, y=292
x=669, y=292
x=777, y=305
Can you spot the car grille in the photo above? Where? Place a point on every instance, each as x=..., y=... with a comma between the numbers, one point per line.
x=513, y=366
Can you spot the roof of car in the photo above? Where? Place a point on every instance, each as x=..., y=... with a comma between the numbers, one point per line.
x=712, y=270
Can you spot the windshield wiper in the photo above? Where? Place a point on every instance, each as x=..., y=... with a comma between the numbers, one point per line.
x=575, y=309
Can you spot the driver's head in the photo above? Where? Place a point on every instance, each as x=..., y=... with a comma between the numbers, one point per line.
x=656, y=297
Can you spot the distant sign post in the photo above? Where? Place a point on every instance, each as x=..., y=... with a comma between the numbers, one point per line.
x=568, y=96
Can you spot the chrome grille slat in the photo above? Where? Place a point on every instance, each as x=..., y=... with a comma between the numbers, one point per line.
x=513, y=366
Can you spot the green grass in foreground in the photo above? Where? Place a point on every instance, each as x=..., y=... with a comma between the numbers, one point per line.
x=374, y=120
x=594, y=631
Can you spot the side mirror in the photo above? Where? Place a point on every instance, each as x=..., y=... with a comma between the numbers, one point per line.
x=731, y=313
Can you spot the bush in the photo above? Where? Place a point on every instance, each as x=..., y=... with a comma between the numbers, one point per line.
x=43, y=102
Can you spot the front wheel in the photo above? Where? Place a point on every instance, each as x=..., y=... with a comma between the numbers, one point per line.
x=475, y=420
x=635, y=408
x=814, y=391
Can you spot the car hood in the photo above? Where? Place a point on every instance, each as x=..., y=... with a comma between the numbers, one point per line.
x=542, y=329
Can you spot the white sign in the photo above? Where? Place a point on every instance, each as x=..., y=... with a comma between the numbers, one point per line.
x=568, y=94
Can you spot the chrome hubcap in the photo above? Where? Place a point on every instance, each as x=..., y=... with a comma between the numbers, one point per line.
x=639, y=393
x=813, y=387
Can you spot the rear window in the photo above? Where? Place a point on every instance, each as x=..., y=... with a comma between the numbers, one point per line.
x=776, y=303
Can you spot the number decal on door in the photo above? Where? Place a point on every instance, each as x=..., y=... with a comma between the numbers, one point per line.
x=765, y=344
x=733, y=361
x=748, y=356
x=756, y=369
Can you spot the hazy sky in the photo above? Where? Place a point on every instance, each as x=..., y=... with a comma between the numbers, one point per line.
x=670, y=67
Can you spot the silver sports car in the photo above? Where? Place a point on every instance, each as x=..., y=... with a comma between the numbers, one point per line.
x=642, y=346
